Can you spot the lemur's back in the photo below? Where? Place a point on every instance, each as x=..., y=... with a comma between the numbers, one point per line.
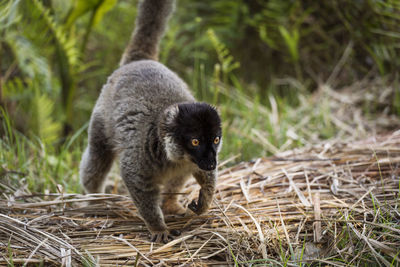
x=136, y=93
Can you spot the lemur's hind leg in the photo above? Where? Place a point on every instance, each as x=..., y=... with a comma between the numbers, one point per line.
x=171, y=195
x=97, y=158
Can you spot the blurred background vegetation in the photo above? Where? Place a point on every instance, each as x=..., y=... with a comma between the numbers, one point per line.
x=283, y=74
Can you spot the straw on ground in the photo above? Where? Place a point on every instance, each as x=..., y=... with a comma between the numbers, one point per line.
x=334, y=203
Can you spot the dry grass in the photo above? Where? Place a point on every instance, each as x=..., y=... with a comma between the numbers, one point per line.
x=335, y=203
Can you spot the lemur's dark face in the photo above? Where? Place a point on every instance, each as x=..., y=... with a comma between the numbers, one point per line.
x=198, y=133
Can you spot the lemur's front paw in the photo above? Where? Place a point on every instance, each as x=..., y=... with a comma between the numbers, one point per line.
x=197, y=208
x=164, y=236
x=193, y=206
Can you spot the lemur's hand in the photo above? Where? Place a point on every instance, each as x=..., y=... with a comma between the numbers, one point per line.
x=207, y=181
x=200, y=207
x=193, y=207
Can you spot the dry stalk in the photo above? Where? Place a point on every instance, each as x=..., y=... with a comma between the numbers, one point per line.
x=311, y=204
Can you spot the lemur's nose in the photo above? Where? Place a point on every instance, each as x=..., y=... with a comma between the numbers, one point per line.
x=211, y=166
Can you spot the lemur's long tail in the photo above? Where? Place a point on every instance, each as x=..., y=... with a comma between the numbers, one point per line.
x=150, y=25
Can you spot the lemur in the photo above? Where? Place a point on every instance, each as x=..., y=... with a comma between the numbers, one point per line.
x=147, y=116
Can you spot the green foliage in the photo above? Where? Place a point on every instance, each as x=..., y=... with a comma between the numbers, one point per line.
x=8, y=13
x=98, y=7
x=30, y=161
x=35, y=109
x=65, y=42
x=29, y=61
x=291, y=41
x=257, y=61
x=42, y=124
x=226, y=63
x=51, y=60
x=10, y=255
x=301, y=38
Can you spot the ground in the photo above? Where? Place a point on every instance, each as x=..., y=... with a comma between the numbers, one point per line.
x=335, y=203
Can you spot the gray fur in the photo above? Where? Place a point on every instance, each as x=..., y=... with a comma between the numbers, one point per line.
x=131, y=119
x=150, y=25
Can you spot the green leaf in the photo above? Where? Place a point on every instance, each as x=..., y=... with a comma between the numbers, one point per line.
x=291, y=41
x=81, y=7
x=102, y=9
x=8, y=13
x=265, y=37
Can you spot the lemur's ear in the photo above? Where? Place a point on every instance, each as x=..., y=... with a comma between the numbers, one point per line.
x=172, y=148
x=170, y=114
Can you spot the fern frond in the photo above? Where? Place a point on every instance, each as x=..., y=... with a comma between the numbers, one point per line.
x=29, y=61
x=15, y=90
x=42, y=122
x=66, y=42
x=226, y=60
x=34, y=110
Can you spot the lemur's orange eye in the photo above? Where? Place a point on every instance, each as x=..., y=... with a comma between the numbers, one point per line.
x=216, y=140
x=195, y=142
